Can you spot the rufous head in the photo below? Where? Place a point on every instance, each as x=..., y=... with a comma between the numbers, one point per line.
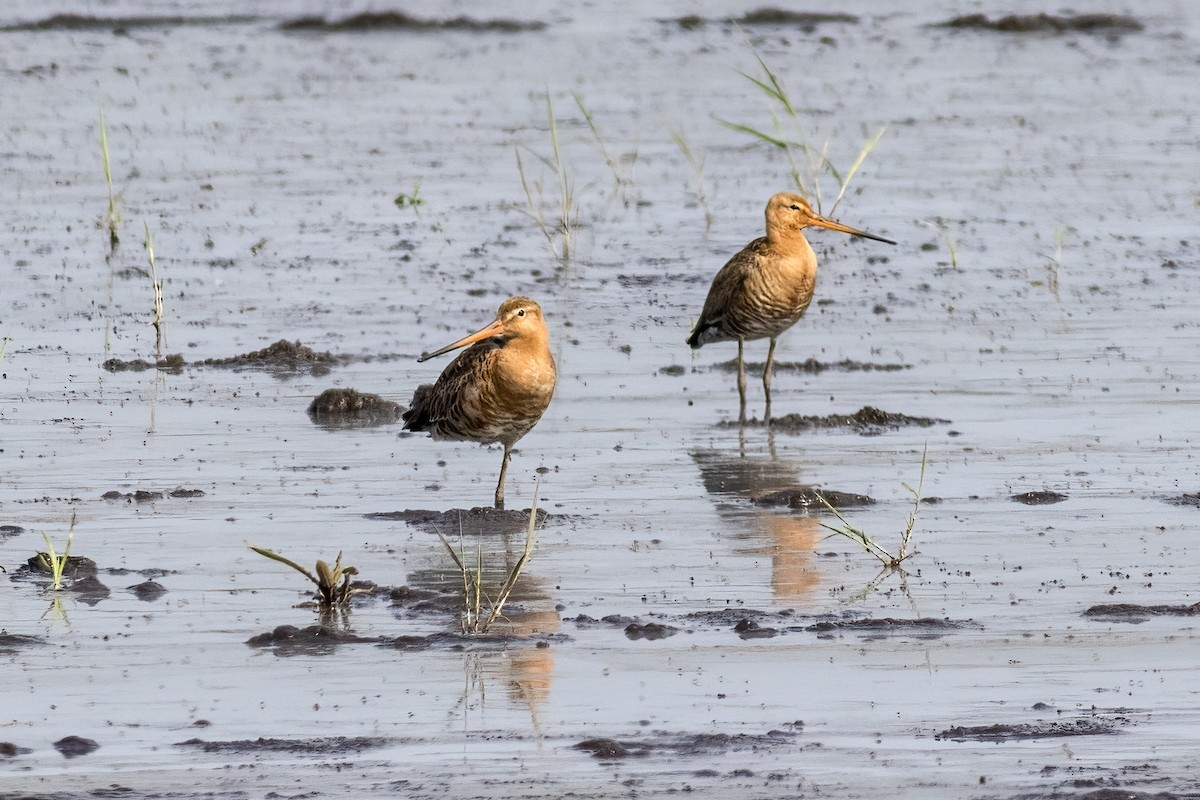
x=788, y=212
x=517, y=318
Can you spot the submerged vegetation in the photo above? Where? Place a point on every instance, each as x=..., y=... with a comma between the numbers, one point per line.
x=891, y=562
x=479, y=609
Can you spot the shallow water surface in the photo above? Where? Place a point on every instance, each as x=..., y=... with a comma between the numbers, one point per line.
x=686, y=621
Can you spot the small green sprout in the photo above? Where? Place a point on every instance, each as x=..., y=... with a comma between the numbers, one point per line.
x=333, y=583
x=54, y=563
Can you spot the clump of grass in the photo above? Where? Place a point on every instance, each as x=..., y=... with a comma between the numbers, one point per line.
x=333, y=583
x=156, y=286
x=891, y=562
x=54, y=563
x=621, y=179
x=806, y=163
x=113, y=217
x=559, y=233
x=479, y=610
x=697, y=165
x=411, y=199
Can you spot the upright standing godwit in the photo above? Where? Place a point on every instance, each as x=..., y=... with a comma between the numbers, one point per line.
x=497, y=390
x=766, y=287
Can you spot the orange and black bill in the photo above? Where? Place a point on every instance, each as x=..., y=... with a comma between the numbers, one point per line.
x=822, y=222
x=494, y=329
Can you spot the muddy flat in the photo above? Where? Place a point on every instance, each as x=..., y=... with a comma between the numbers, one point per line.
x=331, y=193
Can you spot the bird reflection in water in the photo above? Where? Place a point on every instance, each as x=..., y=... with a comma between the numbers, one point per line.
x=735, y=477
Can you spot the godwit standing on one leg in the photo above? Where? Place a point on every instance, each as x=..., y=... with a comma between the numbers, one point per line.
x=497, y=390
x=766, y=287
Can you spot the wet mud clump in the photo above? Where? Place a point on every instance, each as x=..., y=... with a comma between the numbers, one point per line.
x=10, y=750
x=313, y=640
x=348, y=408
x=399, y=21
x=809, y=497
x=749, y=629
x=1047, y=23
x=7, y=531
x=651, y=631
x=147, y=591
x=75, y=746
x=606, y=748
x=1039, y=498
x=79, y=577
x=140, y=496
x=283, y=355
x=1008, y=733
x=473, y=521
x=867, y=421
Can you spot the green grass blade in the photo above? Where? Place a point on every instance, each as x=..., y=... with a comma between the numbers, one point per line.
x=858, y=162
x=262, y=551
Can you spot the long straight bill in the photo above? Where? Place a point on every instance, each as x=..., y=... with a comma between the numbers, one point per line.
x=822, y=222
x=491, y=330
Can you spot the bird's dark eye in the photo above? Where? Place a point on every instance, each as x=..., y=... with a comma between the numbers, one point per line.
x=521, y=312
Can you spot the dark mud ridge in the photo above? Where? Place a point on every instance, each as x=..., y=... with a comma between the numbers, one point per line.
x=10, y=530
x=1178, y=500
x=10, y=643
x=690, y=744
x=749, y=623
x=868, y=421
x=806, y=21
x=81, y=22
x=1039, y=498
x=919, y=628
x=809, y=497
x=1038, y=730
x=147, y=496
x=1130, y=612
x=398, y=20
x=348, y=408
x=173, y=364
x=323, y=640
x=813, y=367
x=468, y=521
x=1047, y=23
x=281, y=356
x=318, y=746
